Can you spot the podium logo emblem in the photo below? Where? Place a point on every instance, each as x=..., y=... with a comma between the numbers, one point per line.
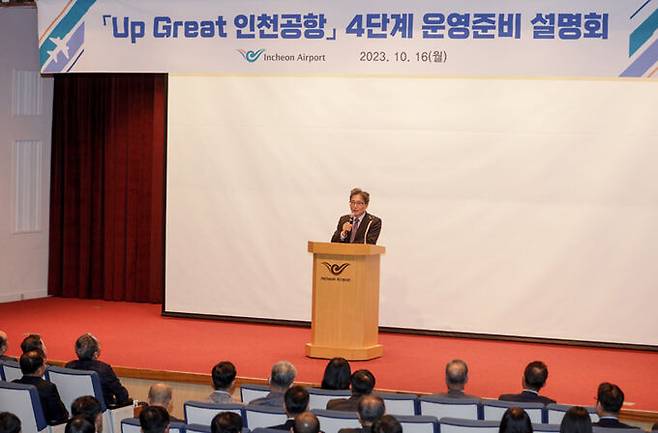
x=334, y=268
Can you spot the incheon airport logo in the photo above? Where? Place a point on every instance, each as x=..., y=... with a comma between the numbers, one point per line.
x=335, y=269
x=251, y=56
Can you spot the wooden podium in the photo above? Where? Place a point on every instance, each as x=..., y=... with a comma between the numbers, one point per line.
x=345, y=301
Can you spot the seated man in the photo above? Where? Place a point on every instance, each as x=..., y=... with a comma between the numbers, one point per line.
x=90, y=408
x=370, y=409
x=362, y=383
x=456, y=379
x=9, y=423
x=33, y=368
x=34, y=342
x=4, y=345
x=226, y=422
x=609, y=400
x=306, y=422
x=160, y=395
x=295, y=402
x=534, y=379
x=223, y=381
x=79, y=424
x=154, y=419
x=282, y=376
x=88, y=350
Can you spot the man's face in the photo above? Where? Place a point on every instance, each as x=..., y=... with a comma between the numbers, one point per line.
x=357, y=205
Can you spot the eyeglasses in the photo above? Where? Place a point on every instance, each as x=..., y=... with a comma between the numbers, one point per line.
x=357, y=203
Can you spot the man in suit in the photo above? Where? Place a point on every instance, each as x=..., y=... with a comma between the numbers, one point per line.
x=90, y=408
x=226, y=422
x=456, y=379
x=609, y=400
x=223, y=381
x=296, y=401
x=34, y=342
x=4, y=345
x=88, y=350
x=358, y=227
x=362, y=383
x=154, y=419
x=370, y=409
x=534, y=379
x=33, y=367
x=160, y=394
x=282, y=376
x=306, y=422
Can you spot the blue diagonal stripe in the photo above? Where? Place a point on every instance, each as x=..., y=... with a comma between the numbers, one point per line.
x=644, y=61
x=643, y=32
x=72, y=17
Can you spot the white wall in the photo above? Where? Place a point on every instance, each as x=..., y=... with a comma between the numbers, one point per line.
x=23, y=256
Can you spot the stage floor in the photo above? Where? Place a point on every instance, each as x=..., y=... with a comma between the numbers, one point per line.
x=136, y=336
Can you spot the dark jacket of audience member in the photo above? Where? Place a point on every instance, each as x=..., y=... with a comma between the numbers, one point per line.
x=337, y=374
x=515, y=420
x=534, y=379
x=295, y=402
x=362, y=383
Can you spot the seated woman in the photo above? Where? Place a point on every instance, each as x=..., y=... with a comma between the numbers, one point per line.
x=515, y=420
x=576, y=420
x=337, y=374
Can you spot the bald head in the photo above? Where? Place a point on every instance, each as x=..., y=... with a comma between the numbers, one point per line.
x=160, y=395
x=371, y=408
x=306, y=422
x=456, y=374
x=3, y=342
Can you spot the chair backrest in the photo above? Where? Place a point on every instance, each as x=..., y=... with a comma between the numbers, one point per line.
x=201, y=412
x=418, y=424
x=10, y=370
x=197, y=428
x=555, y=413
x=249, y=392
x=72, y=384
x=457, y=425
x=440, y=407
x=333, y=420
x=545, y=428
x=493, y=410
x=263, y=416
x=266, y=430
x=131, y=425
x=23, y=401
x=399, y=404
x=319, y=397
x=596, y=429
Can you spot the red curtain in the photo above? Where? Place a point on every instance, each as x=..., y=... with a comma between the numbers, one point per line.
x=107, y=187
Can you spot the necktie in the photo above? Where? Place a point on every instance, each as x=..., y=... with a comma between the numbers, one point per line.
x=355, y=227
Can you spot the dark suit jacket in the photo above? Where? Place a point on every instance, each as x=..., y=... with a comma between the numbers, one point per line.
x=346, y=404
x=113, y=392
x=53, y=408
x=526, y=397
x=611, y=423
x=454, y=394
x=369, y=223
x=7, y=358
x=286, y=426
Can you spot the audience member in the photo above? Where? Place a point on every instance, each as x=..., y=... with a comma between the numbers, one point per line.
x=9, y=423
x=154, y=419
x=88, y=350
x=282, y=376
x=79, y=424
x=387, y=424
x=370, y=409
x=160, y=394
x=306, y=422
x=456, y=377
x=33, y=342
x=362, y=383
x=295, y=402
x=534, y=379
x=223, y=381
x=515, y=420
x=89, y=407
x=33, y=368
x=609, y=400
x=576, y=420
x=226, y=422
x=337, y=374
x=655, y=427
x=4, y=345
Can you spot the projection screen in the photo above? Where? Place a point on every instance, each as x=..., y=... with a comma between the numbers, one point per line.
x=509, y=207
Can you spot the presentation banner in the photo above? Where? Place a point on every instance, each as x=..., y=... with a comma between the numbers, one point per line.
x=477, y=38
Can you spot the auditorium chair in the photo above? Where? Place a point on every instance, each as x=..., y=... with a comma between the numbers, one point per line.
x=545, y=428
x=555, y=413
x=493, y=410
x=418, y=424
x=333, y=420
x=266, y=430
x=399, y=404
x=263, y=416
x=596, y=429
x=319, y=397
x=198, y=428
x=465, y=408
x=23, y=401
x=10, y=370
x=72, y=384
x=458, y=425
x=250, y=392
x=131, y=425
x=202, y=412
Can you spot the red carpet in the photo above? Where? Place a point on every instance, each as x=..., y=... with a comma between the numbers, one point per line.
x=135, y=335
